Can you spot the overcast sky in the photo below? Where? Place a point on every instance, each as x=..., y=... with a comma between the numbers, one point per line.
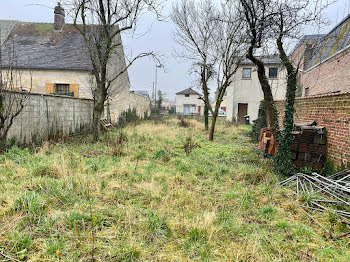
x=156, y=36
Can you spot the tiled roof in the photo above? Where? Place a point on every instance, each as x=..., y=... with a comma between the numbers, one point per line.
x=38, y=46
x=265, y=59
x=188, y=91
x=334, y=42
x=145, y=93
x=6, y=27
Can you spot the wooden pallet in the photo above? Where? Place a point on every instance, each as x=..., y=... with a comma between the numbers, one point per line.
x=106, y=124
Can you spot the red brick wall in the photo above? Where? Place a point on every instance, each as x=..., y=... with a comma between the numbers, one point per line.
x=332, y=112
x=331, y=75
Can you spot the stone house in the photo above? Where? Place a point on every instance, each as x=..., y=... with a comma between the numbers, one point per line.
x=188, y=102
x=324, y=61
x=245, y=93
x=54, y=60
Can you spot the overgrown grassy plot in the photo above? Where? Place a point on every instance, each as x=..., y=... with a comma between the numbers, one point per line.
x=155, y=192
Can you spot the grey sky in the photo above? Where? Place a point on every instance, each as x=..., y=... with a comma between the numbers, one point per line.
x=157, y=37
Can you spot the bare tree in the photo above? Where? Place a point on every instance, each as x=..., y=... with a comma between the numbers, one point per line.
x=279, y=21
x=210, y=37
x=230, y=49
x=100, y=23
x=194, y=34
x=291, y=17
x=13, y=91
x=258, y=17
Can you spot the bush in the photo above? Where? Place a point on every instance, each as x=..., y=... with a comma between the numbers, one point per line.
x=183, y=122
x=128, y=116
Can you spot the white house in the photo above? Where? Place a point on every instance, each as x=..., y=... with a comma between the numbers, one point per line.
x=245, y=93
x=188, y=102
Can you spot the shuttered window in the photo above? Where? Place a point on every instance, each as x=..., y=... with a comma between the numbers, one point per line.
x=62, y=88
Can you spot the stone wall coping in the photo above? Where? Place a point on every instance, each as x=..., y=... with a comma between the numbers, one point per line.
x=318, y=96
x=50, y=95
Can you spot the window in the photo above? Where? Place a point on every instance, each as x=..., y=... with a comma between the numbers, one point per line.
x=273, y=72
x=61, y=88
x=246, y=73
x=187, y=95
x=307, y=90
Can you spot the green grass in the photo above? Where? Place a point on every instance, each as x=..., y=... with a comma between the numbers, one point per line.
x=165, y=193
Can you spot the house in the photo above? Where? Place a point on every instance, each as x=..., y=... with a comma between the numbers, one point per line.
x=245, y=93
x=54, y=60
x=325, y=61
x=188, y=102
x=167, y=104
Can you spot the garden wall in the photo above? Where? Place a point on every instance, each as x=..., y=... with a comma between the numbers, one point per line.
x=44, y=115
x=331, y=111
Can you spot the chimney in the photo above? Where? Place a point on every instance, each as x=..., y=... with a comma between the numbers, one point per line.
x=59, y=17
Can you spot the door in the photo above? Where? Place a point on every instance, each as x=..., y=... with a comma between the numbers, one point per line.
x=187, y=109
x=242, y=111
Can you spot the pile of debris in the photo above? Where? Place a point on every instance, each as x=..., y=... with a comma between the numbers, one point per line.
x=324, y=194
x=309, y=145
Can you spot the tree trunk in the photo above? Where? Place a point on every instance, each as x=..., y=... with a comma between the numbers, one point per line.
x=206, y=116
x=3, y=142
x=284, y=163
x=271, y=111
x=98, y=110
x=212, y=127
x=96, y=122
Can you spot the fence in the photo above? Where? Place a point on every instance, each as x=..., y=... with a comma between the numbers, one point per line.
x=331, y=111
x=45, y=114
x=189, y=110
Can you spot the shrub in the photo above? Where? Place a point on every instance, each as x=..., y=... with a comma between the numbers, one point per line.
x=183, y=122
x=128, y=116
x=117, y=145
x=189, y=145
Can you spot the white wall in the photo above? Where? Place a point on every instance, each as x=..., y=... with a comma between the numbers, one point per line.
x=248, y=91
x=181, y=100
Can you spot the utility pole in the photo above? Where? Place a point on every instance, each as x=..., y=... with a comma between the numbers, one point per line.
x=155, y=87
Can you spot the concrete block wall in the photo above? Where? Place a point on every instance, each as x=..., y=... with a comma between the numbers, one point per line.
x=331, y=111
x=44, y=114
